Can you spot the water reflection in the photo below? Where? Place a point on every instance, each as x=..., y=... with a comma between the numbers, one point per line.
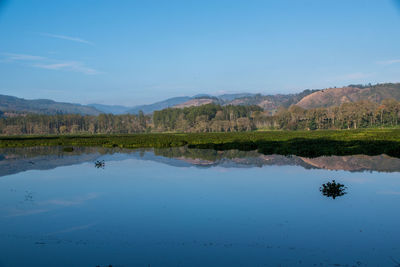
x=176, y=207
x=333, y=189
x=15, y=160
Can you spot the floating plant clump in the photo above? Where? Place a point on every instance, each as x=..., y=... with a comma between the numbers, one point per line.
x=333, y=189
x=100, y=164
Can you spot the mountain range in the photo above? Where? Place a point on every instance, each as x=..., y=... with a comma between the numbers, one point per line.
x=14, y=106
x=306, y=99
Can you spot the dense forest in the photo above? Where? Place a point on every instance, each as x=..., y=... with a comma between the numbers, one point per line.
x=206, y=118
x=212, y=118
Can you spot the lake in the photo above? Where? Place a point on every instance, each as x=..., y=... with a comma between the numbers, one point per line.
x=192, y=207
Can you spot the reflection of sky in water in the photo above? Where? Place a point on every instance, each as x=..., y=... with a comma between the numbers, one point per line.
x=137, y=212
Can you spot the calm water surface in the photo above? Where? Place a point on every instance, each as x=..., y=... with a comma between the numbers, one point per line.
x=181, y=207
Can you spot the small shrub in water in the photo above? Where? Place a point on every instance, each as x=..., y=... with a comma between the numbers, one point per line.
x=333, y=189
x=100, y=164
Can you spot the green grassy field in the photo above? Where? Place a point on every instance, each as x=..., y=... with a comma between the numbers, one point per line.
x=303, y=143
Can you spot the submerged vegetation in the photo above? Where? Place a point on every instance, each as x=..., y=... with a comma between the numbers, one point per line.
x=300, y=143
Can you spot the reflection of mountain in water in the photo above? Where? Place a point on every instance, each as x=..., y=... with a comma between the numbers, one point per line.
x=15, y=160
x=381, y=163
x=235, y=158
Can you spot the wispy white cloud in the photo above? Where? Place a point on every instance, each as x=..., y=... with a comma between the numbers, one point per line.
x=389, y=62
x=68, y=66
x=16, y=57
x=68, y=38
x=48, y=63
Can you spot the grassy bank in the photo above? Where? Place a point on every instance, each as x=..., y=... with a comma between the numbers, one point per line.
x=302, y=143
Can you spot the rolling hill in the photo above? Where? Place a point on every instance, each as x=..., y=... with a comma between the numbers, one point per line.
x=306, y=99
x=336, y=96
x=113, y=109
x=195, y=102
x=15, y=105
x=170, y=102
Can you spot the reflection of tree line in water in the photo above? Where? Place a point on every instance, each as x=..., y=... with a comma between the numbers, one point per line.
x=311, y=148
x=13, y=160
x=236, y=157
x=204, y=154
x=44, y=157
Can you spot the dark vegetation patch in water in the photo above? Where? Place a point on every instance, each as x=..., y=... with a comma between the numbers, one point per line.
x=100, y=164
x=68, y=149
x=311, y=148
x=333, y=189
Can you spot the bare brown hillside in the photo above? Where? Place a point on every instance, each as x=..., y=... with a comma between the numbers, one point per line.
x=195, y=103
x=336, y=96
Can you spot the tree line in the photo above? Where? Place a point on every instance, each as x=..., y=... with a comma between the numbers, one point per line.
x=362, y=114
x=206, y=118
x=74, y=124
x=211, y=118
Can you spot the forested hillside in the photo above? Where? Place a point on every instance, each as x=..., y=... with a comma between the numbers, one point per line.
x=110, y=109
x=159, y=105
x=14, y=106
x=213, y=118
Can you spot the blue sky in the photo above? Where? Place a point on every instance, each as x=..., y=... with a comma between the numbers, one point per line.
x=136, y=52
